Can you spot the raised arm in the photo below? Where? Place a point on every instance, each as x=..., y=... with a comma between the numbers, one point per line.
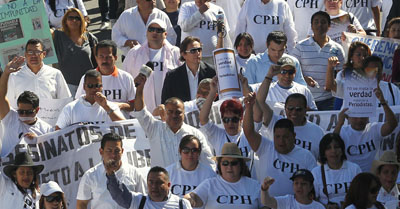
x=265, y=198
x=390, y=119
x=140, y=80
x=205, y=109
x=330, y=83
x=341, y=119
x=252, y=136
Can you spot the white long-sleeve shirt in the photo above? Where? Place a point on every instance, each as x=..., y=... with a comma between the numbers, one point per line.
x=130, y=26
x=260, y=19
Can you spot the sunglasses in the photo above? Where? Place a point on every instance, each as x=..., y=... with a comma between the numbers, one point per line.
x=194, y=50
x=72, y=18
x=25, y=112
x=37, y=52
x=232, y=119
x=57, y=198
x=186, y=150
x=298, y=109
x=231, y=163
x=284, y=72
x=157, y=30
x=97, y=85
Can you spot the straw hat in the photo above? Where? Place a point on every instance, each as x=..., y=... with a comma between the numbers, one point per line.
x=22, y=159
x=231, y=150
x=387, y=158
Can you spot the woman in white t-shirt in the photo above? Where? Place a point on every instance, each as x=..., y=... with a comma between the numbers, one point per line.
x=337, y=171
x=232, y=188
x=182, y=173
x=244, y=45
x=363, y=192
x=303, y=197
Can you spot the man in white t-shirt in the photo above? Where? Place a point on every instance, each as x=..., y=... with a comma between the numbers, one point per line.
x=279, y=158
x=118, y=85
x=362, y=138
x=130, y=28
x=43, y=80
x=161, y=53
x=91, y=107
x=93, y=187
x=164, y=137
x=158, y=184
x=22, y=122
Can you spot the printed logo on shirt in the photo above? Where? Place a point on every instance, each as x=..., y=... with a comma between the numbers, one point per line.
x=304, y=144
x=209, y=25
x=158, y=65
x=306, y=4
x=285, y=166
x=338, y=188
x=113, y=94
x=360, y=149
x=177, y=189
x=234, y=199
x=266, y=19
x=356, y=3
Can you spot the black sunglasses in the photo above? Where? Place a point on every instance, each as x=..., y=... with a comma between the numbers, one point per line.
x=57, y=198
x=284, y=72
x=157, y=30
x=97, y=85
x=186, y=150
x=232, y=119
x=298, y=109
x=194, y=50
x=25, y=112
x=231, y=163
x=71, y=18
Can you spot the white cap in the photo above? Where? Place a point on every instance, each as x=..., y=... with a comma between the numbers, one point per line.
x=159, y=22
x=49, y=188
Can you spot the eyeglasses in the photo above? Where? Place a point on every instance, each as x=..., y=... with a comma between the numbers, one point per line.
x=97, y=85
x=157, y=30
x=231, y=163
x=194, y=50
x=232, y=119
x=72, y=18
x=37, y=52
x=186, y=150
x=57, y=198
x=25, y=112
x=284, y=72
x=298, y=109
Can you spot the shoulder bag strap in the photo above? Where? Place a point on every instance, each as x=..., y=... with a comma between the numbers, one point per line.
x=76, y=4
x=391, y=92
x=142, y=202
x=180, y=203
x=325, y=189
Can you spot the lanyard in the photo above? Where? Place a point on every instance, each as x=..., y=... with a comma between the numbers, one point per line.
x=227, y=138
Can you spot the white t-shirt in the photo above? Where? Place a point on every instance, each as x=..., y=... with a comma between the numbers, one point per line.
x=361, y=146
x=15, y=129
x=260, y=19
x=288, y=201
x=81, y=111
x=155, y=56
x=171, y=203
x=183, y=181
x=337, y=181
x=363, y=11
x=307, y=136
x=93, y=185
x=281, y=166
x=242, y=63
x=354, y=207
x=61, y=7
x=216, y=193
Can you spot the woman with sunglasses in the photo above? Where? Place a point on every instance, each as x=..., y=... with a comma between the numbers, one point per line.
x=19, y=184
x=363, y=192
x=232, y=188
x=334, y=170
x=56, y=9
x=181, y=173
x=74, y=48
x=52, y=196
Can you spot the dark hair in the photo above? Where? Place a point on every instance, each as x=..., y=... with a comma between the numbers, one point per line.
x=246, y=36
x=28, y=97
x=34, y=41
x=185, y=43
x=173, y=100
x=323, y=14
x=278, y=37
x=63, y=201
x=92, y=74
x=231, y=105
x=352, y=49
x=359, y=190
x=187, y=139
x=395, y=20
x=107, y=44
x=284, y=123
x=297, y=96
x=244, y=170
x=34, y=186
x=110, y=137
x=52, y=4
x=373, y=58
x=158, y=169
x=326, y=141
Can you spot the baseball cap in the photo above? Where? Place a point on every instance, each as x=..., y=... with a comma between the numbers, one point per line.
x=306, y=174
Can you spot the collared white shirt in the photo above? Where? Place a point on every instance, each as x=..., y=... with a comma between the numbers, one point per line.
x=193, y=82
x=384, y=196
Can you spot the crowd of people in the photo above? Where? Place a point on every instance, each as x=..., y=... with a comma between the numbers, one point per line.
x=289, y=56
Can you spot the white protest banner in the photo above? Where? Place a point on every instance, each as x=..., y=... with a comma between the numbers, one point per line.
x=227, y=73
x=359, y=96
x=51, y=108
x=382, y=47
x=68, y=153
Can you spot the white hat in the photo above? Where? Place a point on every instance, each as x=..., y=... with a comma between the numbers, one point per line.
x=159, y=22
x=49, y=188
